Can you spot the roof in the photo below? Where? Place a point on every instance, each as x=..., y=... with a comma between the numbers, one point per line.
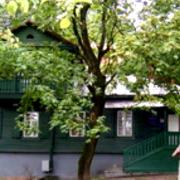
x=58, y=37
x=130, y=104
x=121, y=89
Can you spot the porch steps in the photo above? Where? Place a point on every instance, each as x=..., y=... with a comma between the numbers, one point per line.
x=147, y=177
x=145, y=156
x=116, y=172
x=159, y=161
x=153, y=154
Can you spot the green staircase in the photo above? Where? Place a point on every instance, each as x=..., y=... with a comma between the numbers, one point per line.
x=153, y=154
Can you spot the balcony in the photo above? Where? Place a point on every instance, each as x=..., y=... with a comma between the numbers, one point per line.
x=12, y=88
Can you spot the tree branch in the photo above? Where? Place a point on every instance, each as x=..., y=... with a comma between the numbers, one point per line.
x=92, y=60
x=110, y=40
x=111, y=78
x=81, y=32
x=107, y=36
x=92, y=90
x=75, y=29
x=103, y=35
x=112, y=33
x=62, y=39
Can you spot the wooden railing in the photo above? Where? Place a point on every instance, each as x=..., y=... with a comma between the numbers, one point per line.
x=13, y=86
x=149, y=146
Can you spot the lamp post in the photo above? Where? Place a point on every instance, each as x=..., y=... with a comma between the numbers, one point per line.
x=176, y=153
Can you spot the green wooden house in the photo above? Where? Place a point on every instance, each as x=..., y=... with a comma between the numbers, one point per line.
x=139, y=140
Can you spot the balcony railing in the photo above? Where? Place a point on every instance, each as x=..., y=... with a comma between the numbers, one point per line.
x=13, y=86
x=151, y=145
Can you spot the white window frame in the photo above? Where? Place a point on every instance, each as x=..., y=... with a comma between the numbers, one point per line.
x=32, y=118
x=123, y=118
x=81, y=133
x=173, y=123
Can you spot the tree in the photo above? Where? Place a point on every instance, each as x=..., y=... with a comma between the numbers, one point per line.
x=108, y=48
x=153, y=52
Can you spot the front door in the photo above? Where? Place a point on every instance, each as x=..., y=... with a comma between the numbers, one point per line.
x=149, y=123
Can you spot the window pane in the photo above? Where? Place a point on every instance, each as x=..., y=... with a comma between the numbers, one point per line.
x=124, y=123
x=173, y=123
x=75, y=133
x=81, y=132
x=31, y=120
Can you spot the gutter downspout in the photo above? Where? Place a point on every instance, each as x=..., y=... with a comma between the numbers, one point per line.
x=51, y=150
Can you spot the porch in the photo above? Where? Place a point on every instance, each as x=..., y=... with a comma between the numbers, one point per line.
x=153, y=154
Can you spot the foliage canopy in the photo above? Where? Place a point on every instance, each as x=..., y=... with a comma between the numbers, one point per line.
x=110, y=46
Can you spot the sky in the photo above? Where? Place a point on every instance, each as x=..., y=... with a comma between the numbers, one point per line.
x=137, y=6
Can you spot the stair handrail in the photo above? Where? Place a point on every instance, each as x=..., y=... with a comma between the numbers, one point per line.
x=150, y=145
x=145, y=147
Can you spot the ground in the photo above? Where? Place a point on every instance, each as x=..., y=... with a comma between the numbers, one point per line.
x=149, y=177
x=134, y=177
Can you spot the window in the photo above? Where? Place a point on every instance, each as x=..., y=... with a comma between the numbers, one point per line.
x=76, y=133
x=81, y=132
x=124, y=123
x=173, y=123
x=31, y=120
x=30, y=36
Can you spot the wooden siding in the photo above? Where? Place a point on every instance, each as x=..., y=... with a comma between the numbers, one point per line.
x=1, y=120
x=12, y=140
x=31, y=35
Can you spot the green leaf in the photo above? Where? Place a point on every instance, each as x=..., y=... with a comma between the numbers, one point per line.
x=12, y=8
x=43, y=1
x=83, y=1
x=24, y=6
x=64, y=23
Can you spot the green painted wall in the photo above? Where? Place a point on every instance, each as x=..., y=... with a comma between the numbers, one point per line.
x=1, y=120
x=12, y=140
x=31, y=35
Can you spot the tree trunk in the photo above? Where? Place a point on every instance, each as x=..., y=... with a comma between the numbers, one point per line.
x=86, y=160
x=89, y=148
